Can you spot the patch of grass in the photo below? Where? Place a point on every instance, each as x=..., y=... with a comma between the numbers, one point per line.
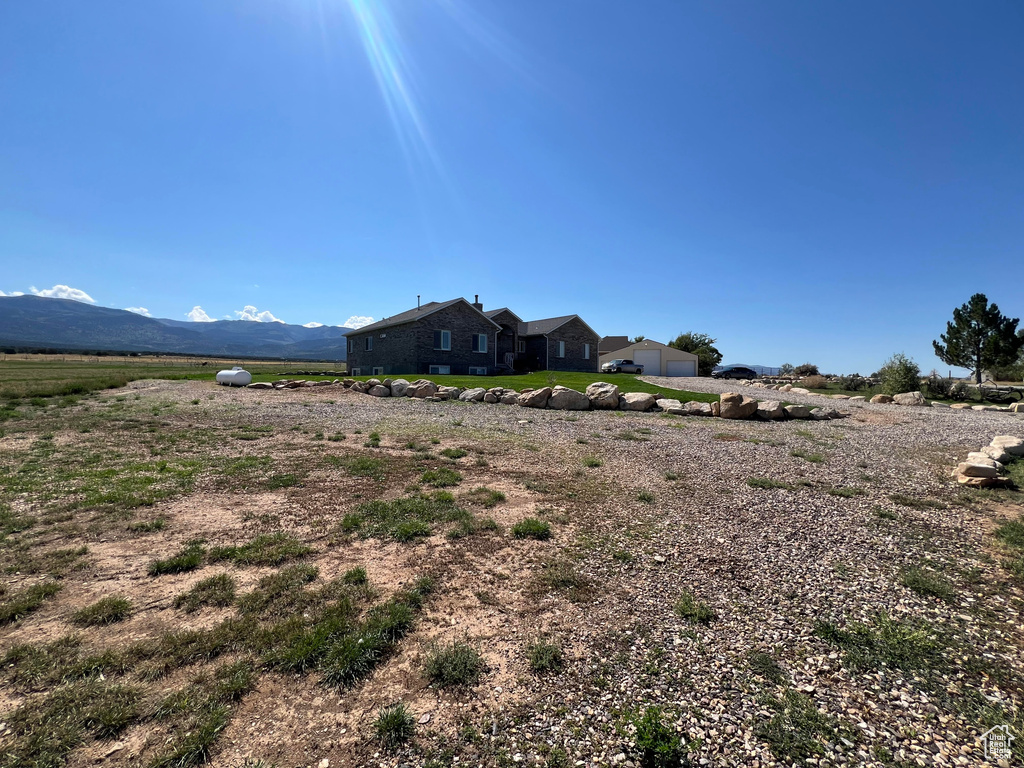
x=276, y=593
x=658, y=745
x=646, y=497
x=403, y=518
x=23, y=602
x=884, y=514
x=1011, y=533
x=765, y=665
x=456, y=664
x=906, y=645
x=767, y=483
x=372, y=440
x=108, y=610
x=561, y=576
x=623, y=556
x=394, y=726
x=797, y=731
x=148, y=526
x=454, y=453
x=670, y=475
x=592, y=461
x=928, y=583
x=689, y=608
x=366, y=466
x=282, y=480
x=442, y=477
x=199, y=733
x=628, y=435
x=544, y=656
x=915, y=503
x=188, y=559
x=355, y=576
x=846, y=492
x=56, y=562
x=486, y=497
x=217, y=591
x=814, y=458
x=532, y=528
x=266, y=549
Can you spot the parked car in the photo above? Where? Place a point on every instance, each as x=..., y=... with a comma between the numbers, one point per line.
x=734, y=372
x=621, y=366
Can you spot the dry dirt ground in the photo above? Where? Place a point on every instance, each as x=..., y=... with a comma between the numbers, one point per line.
x=721, y=593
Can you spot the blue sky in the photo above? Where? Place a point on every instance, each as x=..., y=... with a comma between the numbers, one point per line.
x=804, y=181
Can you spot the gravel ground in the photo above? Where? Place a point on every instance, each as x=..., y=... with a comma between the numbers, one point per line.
x=670, y=509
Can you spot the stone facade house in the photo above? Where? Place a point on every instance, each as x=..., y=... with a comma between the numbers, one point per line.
x=457, y=337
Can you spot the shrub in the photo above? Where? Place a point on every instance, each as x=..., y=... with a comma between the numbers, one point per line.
x=851, y=383
x=689, y=608
x=105, y=611
x=544, y=656
x=815, y=382
x=452, y=665
x=443, y=477
x=940, y=388
x=807, y=369
x=899, y=374
x=394, y=726
x=657, y=745
x=531, y=528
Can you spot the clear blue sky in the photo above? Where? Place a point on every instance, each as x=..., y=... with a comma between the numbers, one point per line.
x=801, y=180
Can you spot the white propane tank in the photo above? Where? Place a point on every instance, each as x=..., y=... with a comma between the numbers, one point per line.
x=236, y=377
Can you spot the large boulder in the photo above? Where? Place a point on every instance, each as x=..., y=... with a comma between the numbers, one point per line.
x=473, y=395
x=736, y=406
x=979, y=457
x=694, y=408
x=535, y=398
x=799, y=391
x=421, y=388
x=448, y=393
x=976, y=469
x=858, y=399
x=667, y=404
x=798, y=412
x=984, y=482
x=1017, y=408
x=995, y=453
x=770, y=410
x=510, y=398
x=603, y=396
x=881, y=399
x=1011, y=445
x=636, y=401
x=490, y=397
x=399, y=387
x=565, y=399
x=261, y=385
x=909, y=398
x=379, y=390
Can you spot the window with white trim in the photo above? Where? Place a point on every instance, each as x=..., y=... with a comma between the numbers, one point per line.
x=356, y=372
x=521, y=346
x=440, y=370
x=561, y=349
x=586, y=351
x=479, y=342
x=477, y=371
x=369, y=343
x=443, y=340
x=378, y=371
x=351, y=346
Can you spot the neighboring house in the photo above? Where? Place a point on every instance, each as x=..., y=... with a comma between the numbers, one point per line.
x=612, y=343
x=457, y=337
x=657, y=359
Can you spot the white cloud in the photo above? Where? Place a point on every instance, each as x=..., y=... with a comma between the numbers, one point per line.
x=63, y=292
x=250, y=312
x=12, y=293
x=139, y=311
x=357, y=321
x=197, y=315
x=313, y=325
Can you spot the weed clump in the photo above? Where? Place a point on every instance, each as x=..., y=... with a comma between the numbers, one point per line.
x=23, y=602
x=657, y=744
x=442, y=477
x=928, y=584
x=188, y=559
x=109, y=610
x=267, y=549
x=457, y=664
x=544, y=656
x=532, y=528
x=394, y=726
x=689, y=608
x=217, y=590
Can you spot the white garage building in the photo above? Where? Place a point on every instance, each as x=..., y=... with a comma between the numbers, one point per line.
x=657, y=359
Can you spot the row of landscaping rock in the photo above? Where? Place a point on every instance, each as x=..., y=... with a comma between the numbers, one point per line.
x=984, y=468
x=598, y=396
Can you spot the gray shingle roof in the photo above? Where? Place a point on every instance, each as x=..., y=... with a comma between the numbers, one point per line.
x=410, y=316
x=540, y=327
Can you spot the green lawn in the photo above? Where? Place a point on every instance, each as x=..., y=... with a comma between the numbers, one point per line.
x=577, y=381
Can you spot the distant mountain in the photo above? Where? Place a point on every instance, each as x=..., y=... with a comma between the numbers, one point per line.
x=760, y=370
x=33, y=321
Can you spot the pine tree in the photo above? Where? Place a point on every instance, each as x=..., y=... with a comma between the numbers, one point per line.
x=979, y=337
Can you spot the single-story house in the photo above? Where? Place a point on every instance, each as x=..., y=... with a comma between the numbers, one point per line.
x=657, y=359
x=457, y=337
x=612, y=343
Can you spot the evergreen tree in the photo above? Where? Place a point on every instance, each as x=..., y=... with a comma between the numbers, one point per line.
x=979, y=337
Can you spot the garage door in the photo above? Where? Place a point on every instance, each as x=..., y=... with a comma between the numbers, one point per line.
x=650, y=359
x=681, y=368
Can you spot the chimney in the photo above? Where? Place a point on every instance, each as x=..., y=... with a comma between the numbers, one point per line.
x=476, y=303
x=417, y=301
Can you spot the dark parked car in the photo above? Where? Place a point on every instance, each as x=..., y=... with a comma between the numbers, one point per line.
x=621, y=366
x=734, y=372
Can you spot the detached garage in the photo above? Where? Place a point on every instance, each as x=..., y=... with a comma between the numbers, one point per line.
x=657, y=359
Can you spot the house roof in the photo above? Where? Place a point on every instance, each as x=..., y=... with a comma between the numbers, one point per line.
x=611, y=343
x=412, y=315
x=540, y=327
x=492, y=313
x=648, y=344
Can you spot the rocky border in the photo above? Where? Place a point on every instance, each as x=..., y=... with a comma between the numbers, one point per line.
x=985, y=468
x=599, y=396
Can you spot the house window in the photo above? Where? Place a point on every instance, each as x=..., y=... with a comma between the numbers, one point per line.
x=378, y=371
x=561, y=349
x=443, y=340
x=477, y=371
x=586, y=351
x=441, y=370
x=479, y=342
x=356, y=372
x=351, y=346
x=521, y=346
x=369, y=343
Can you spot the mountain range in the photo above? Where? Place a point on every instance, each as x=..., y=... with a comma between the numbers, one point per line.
x=63, y=324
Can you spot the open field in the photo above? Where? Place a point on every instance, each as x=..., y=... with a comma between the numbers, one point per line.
x=198, y=574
